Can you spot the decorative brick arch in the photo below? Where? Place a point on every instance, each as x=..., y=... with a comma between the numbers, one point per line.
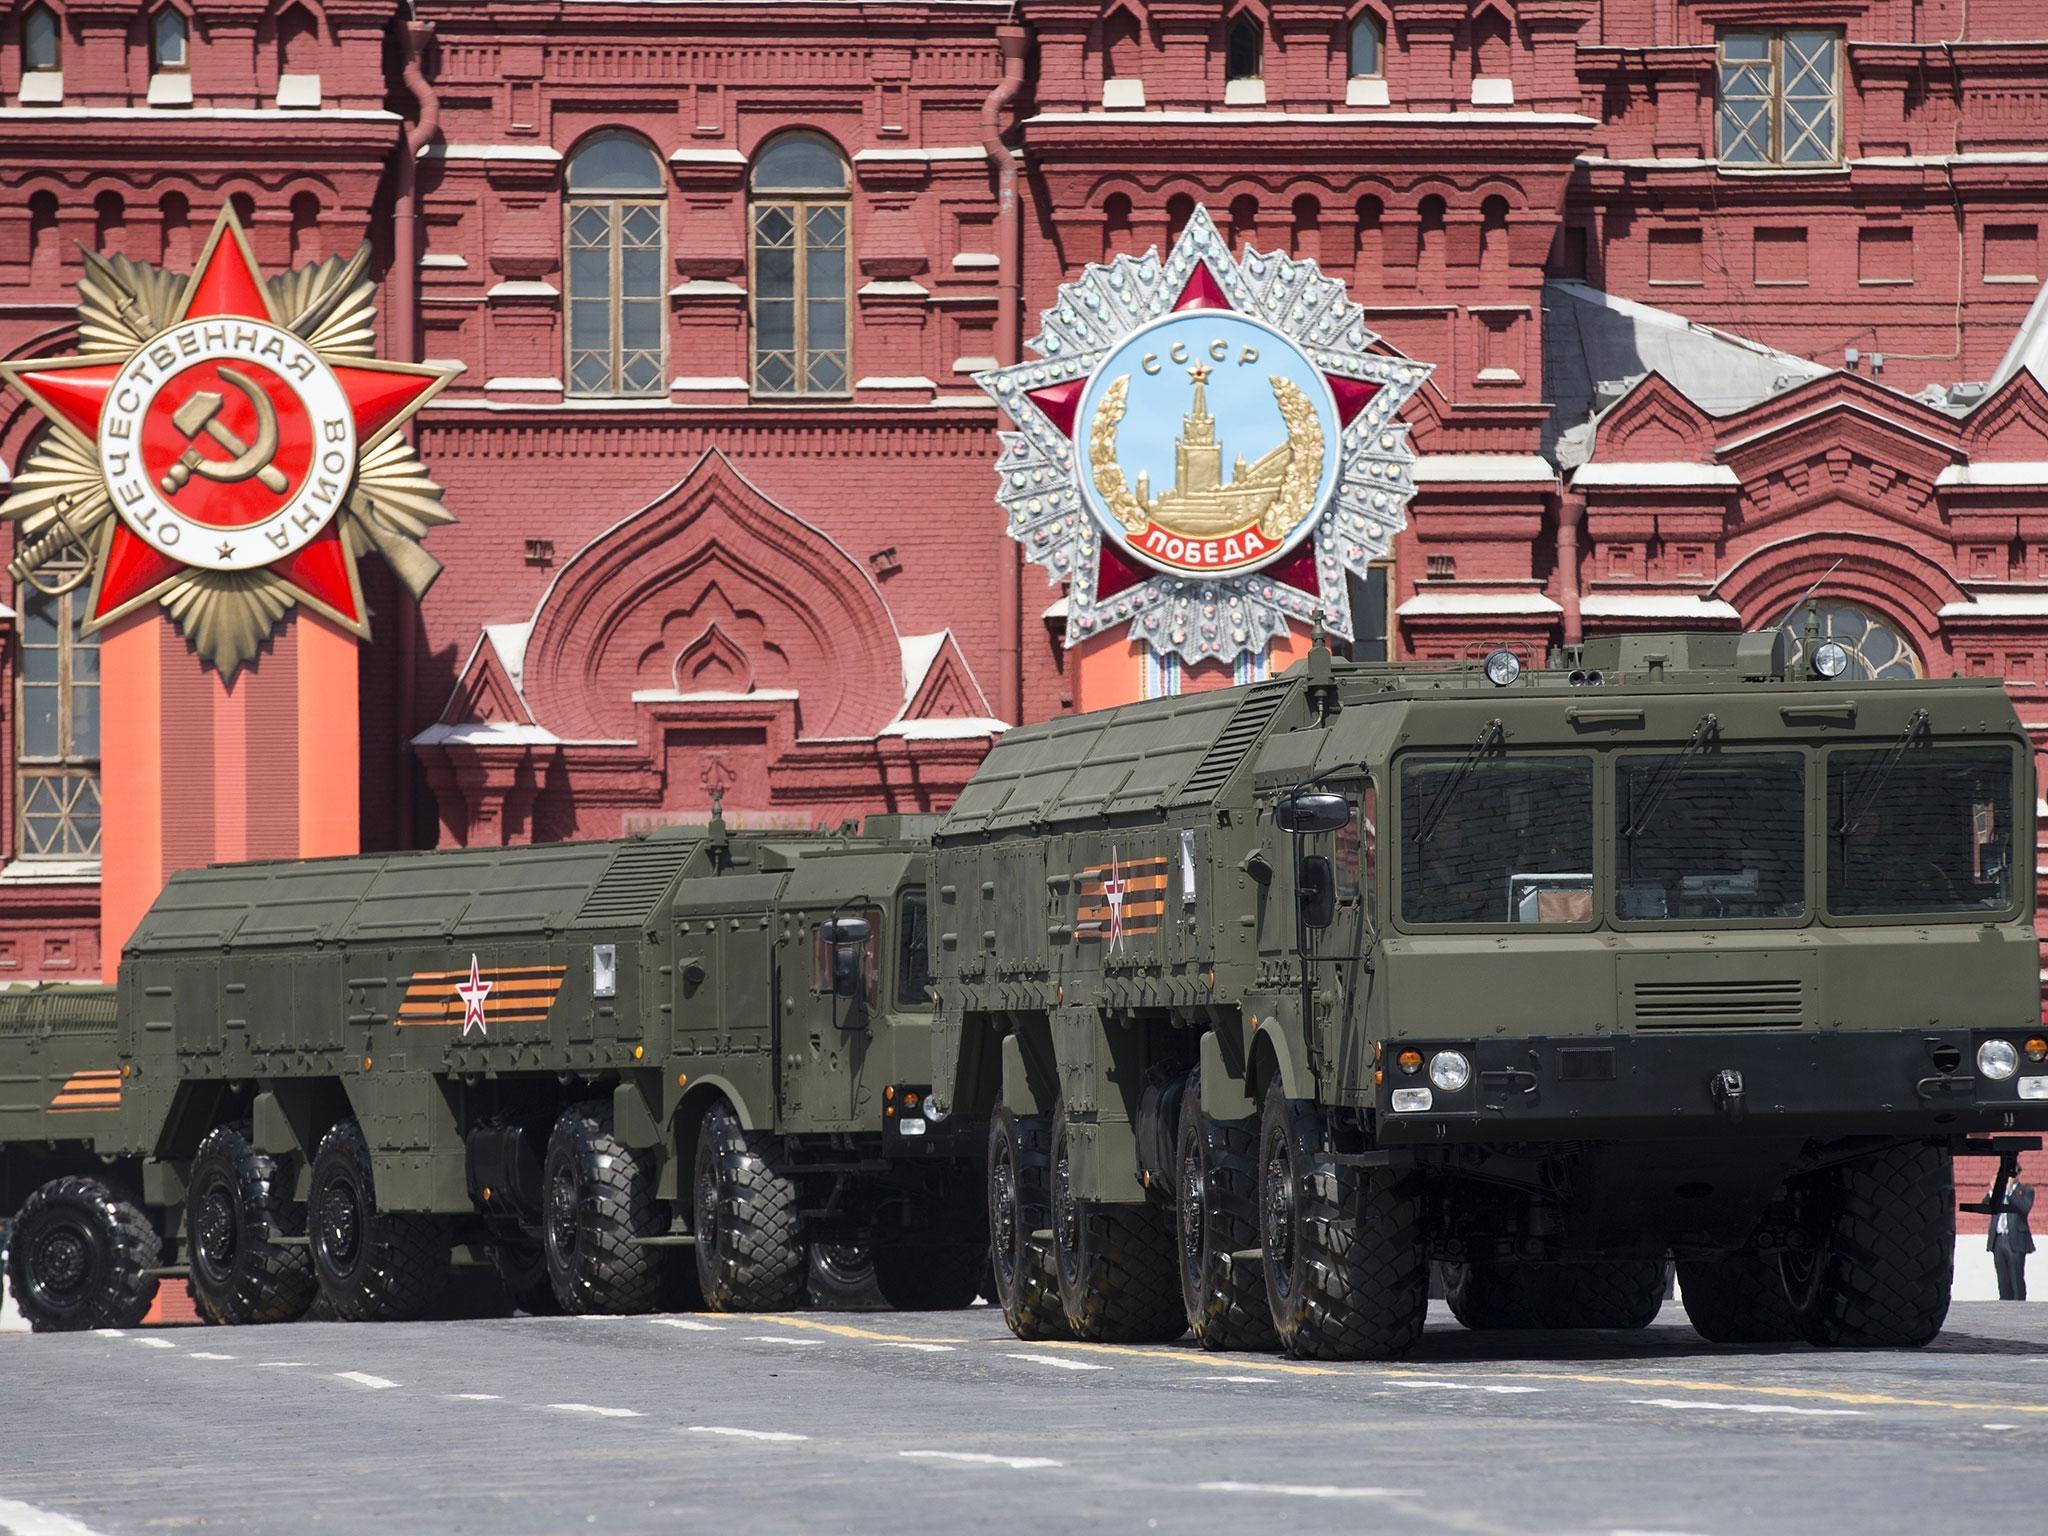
x=1883, y=574
x=713, y=589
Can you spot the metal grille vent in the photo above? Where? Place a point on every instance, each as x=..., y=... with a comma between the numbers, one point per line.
x=1236, y=739
x=639, y=877
x=1743, y=1004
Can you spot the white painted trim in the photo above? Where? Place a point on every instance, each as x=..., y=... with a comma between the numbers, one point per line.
x=1366, y=91
x=1665, y=473
x=1455, y=603
x=298, y=93
x=973, y=365
x=444, y=261
x=706, y=288
x=170, y=88
x=1654, y=605
x=2026, y=472
x=1123, y=93
x=539, y=153
x=42, y=87
x=894, y=288
x=51, y=872
x=1999, y=605
x=510, y=381
x=915, y=156
x=688, y=156
x=909, y=381
x=1492, y=91
x=1325, y=119
x=713, y=696
x=486, y=734
x=1461, y=468
x=975, y=261
x=1244, y=93
x=689, y=384
x=523, y=288
x=181, y=114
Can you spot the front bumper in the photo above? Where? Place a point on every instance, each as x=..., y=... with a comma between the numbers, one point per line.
x=1702, y=1083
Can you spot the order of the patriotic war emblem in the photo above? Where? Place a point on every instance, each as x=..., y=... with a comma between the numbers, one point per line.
x=1206, y=446
x=223, y=446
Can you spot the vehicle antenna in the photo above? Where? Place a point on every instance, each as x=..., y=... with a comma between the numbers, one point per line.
x=720, y=839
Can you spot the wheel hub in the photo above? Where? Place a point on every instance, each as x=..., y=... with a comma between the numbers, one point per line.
x=1280, y=1215
x=341, y=1224
x=561, y=1228
x=61, y=1261
x=215, y=1230
x=1002, y=1207
x=1192, y=1208
x=1066, y=1213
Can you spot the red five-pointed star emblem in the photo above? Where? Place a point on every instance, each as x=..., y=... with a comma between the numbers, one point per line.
x=228, y=430
x=473, y=994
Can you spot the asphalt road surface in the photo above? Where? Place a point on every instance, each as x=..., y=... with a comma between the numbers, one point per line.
x=888, y=1422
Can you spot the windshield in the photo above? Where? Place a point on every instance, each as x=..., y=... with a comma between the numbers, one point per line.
x=1926, y=829
x=1724, y=838
x=1512, y=844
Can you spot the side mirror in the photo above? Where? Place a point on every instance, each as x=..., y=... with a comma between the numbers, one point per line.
x=1315, y=888
x=1316, y=811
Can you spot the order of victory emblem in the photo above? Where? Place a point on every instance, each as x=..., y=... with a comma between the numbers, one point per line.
x=224, y=446
x=1206, y=445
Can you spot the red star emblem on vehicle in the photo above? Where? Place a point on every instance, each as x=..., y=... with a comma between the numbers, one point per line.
x=218, y=436
x=473, y=992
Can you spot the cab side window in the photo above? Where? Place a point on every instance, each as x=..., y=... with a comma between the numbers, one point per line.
x=1355, y=848
x=913, y=952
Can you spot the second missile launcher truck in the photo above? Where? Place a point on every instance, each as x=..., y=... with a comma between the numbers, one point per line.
x=1278, y=994
x=619, y=1071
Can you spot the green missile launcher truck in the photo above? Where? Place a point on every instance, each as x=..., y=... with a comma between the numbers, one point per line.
x=619, y=1072
x=1275, y=996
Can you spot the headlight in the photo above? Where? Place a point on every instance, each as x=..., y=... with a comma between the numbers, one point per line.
x=1449, y=1070
x=935, y=1108
x=1997, y=1060
x=2034, y=1087
x=1502, y=668
x=1831, y=658
x=1408, y=1100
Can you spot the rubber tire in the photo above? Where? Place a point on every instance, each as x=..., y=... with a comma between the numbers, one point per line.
x=1117, y=1265
x=237, y=1199
x=750, y=1251
x=1347, y=1271
x=1216, y=1214
x=597, y=1198
x=80, y=1221
x=1021, y=1277
x=373, y=1266
x=1499, y=1294
x=842, y=1276
x=1740, y=1300
x=1885, y=1264
x=523, y=1272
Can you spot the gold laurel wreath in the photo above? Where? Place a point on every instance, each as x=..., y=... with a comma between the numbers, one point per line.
x=60, y=498
x=1295, y=499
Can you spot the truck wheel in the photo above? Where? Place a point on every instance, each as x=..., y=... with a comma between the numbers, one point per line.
x=1347, y=1274
x=523, y=1272
x=598, y=1198
x=1514, y=1293
x=1118, y=1274
x=79, y=1257
x=1739, y=1300
x=237, y=1200
x=1021, y=1274
x=751, y=1256
x=373, y=1266
x=1880, y=1274
x=842, y=1276
x=1216, y=1210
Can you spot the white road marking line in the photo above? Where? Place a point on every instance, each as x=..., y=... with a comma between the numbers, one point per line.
x=207, y=1354
x=772, y=1338
x=1693, y=1403
x=27, y=1520
x=1259, y=1381
x=156, y=1343
x=475, y=1397
x=108, y=1333
x=1310, y=1490
x=1462, y=1386
x=985, y=1459
x=1998, y=1426
x=689, y=1323
x=1061, y=1362
x=592, y=1408
x=364, y=1379
x=745, y=1434
x=929, y=1349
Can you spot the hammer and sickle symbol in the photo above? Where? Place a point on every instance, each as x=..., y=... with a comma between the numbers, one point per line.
x=201, y=415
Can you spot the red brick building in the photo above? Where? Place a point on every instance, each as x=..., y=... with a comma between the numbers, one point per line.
x=1725, y=297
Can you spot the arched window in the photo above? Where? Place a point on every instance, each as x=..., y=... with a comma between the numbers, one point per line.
x=799, y=215
x=42, y=41
x=1367, y=48
x=1305, y=234
x=169, y=41
x=1492, y=85
x=57, y=709
x=617, y=219
x=1877, y=649
x=298, y=58
x=305, y=229
x=1244, y=50
x=1493, y=234
x=110, y=224
x=1121, y=82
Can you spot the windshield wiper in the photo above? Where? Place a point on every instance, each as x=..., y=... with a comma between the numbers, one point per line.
x=1874, y=780
x=1495, y=735
x=1707, y=729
